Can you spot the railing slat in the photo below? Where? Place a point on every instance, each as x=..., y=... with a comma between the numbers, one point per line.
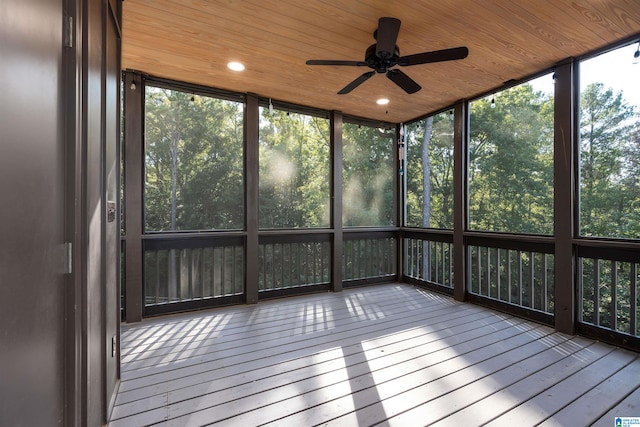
x=157, y=285
x=479, y=268
x=545, y=282
x=520, y=278
x=498, y=269
x=233, y=270
x=596, y=292
x=509, y=275
x=613, y=309
x=224, y=270
x=532, y=279
x=450, y=270
x=298, y=264
x=581, y=296
x=633, y=297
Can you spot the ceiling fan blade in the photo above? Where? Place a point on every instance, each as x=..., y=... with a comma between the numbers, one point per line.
x=338, y=62
x=357, y=82
x=435, y=56
x=404, y=81
x=386, y=37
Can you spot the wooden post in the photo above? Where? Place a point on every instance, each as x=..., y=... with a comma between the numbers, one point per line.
x=460, y=164
x=133, y=178
x=336, y=200
x=400, y=184
x=252, y=128
x=564, y=167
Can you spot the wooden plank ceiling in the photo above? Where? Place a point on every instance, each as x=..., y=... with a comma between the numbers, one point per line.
x=193, y=40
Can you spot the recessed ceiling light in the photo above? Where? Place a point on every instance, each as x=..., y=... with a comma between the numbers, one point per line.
x=382, y=101
x=235, y=66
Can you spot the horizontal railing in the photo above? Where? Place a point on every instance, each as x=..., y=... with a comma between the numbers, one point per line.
x=189, y=268
x=369, y=256
x=514, y=270
x=428, y=258
x=185, y=271
x=608, y=278
x=293, y=260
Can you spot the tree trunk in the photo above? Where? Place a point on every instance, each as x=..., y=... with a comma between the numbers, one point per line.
x=426, y=195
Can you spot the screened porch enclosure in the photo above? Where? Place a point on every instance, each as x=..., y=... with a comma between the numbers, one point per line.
x=232, y=198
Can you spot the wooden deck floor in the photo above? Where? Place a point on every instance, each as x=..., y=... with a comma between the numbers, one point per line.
x=385, y=355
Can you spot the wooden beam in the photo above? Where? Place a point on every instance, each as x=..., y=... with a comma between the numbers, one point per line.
x=564, y=173
x=460, y=150
x=133, y=179
x=336, y=200
x=251, y=147
x=400, y=206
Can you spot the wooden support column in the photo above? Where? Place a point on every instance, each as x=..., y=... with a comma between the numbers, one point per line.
x=336, y=200
x=460, y=164
x=564, y=167
x=400, y=184
x=252, y=208
x=133, y=179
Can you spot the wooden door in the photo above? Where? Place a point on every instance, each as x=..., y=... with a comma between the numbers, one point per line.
x=32, y=214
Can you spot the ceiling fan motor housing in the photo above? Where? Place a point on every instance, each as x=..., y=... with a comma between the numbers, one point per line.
x=381, y=65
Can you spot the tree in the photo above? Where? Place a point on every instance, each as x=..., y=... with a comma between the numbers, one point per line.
x=609, y=198
x=430, y=172
x=608, y=164
x=294, y=170
x=426, y=194
x=511, y=163
x=367, y=175
x=193, y=159
x=426, y=173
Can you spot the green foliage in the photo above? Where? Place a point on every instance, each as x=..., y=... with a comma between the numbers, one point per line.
x=194, y=166
x=368, y=170
x=294, y=170
x=193, y=162
x=609, y=165
x=511, y=163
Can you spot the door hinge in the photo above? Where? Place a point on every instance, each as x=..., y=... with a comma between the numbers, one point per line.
x=68, y=31
x=67, y=258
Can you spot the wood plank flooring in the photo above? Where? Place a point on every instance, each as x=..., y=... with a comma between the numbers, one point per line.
x=390, y=355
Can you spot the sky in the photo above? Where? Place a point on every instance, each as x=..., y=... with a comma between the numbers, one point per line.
x=614, y=69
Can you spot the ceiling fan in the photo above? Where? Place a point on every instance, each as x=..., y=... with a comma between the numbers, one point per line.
x=382, y=56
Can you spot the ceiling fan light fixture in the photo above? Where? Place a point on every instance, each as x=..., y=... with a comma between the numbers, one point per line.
x=235, y=66
x=382, y=101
